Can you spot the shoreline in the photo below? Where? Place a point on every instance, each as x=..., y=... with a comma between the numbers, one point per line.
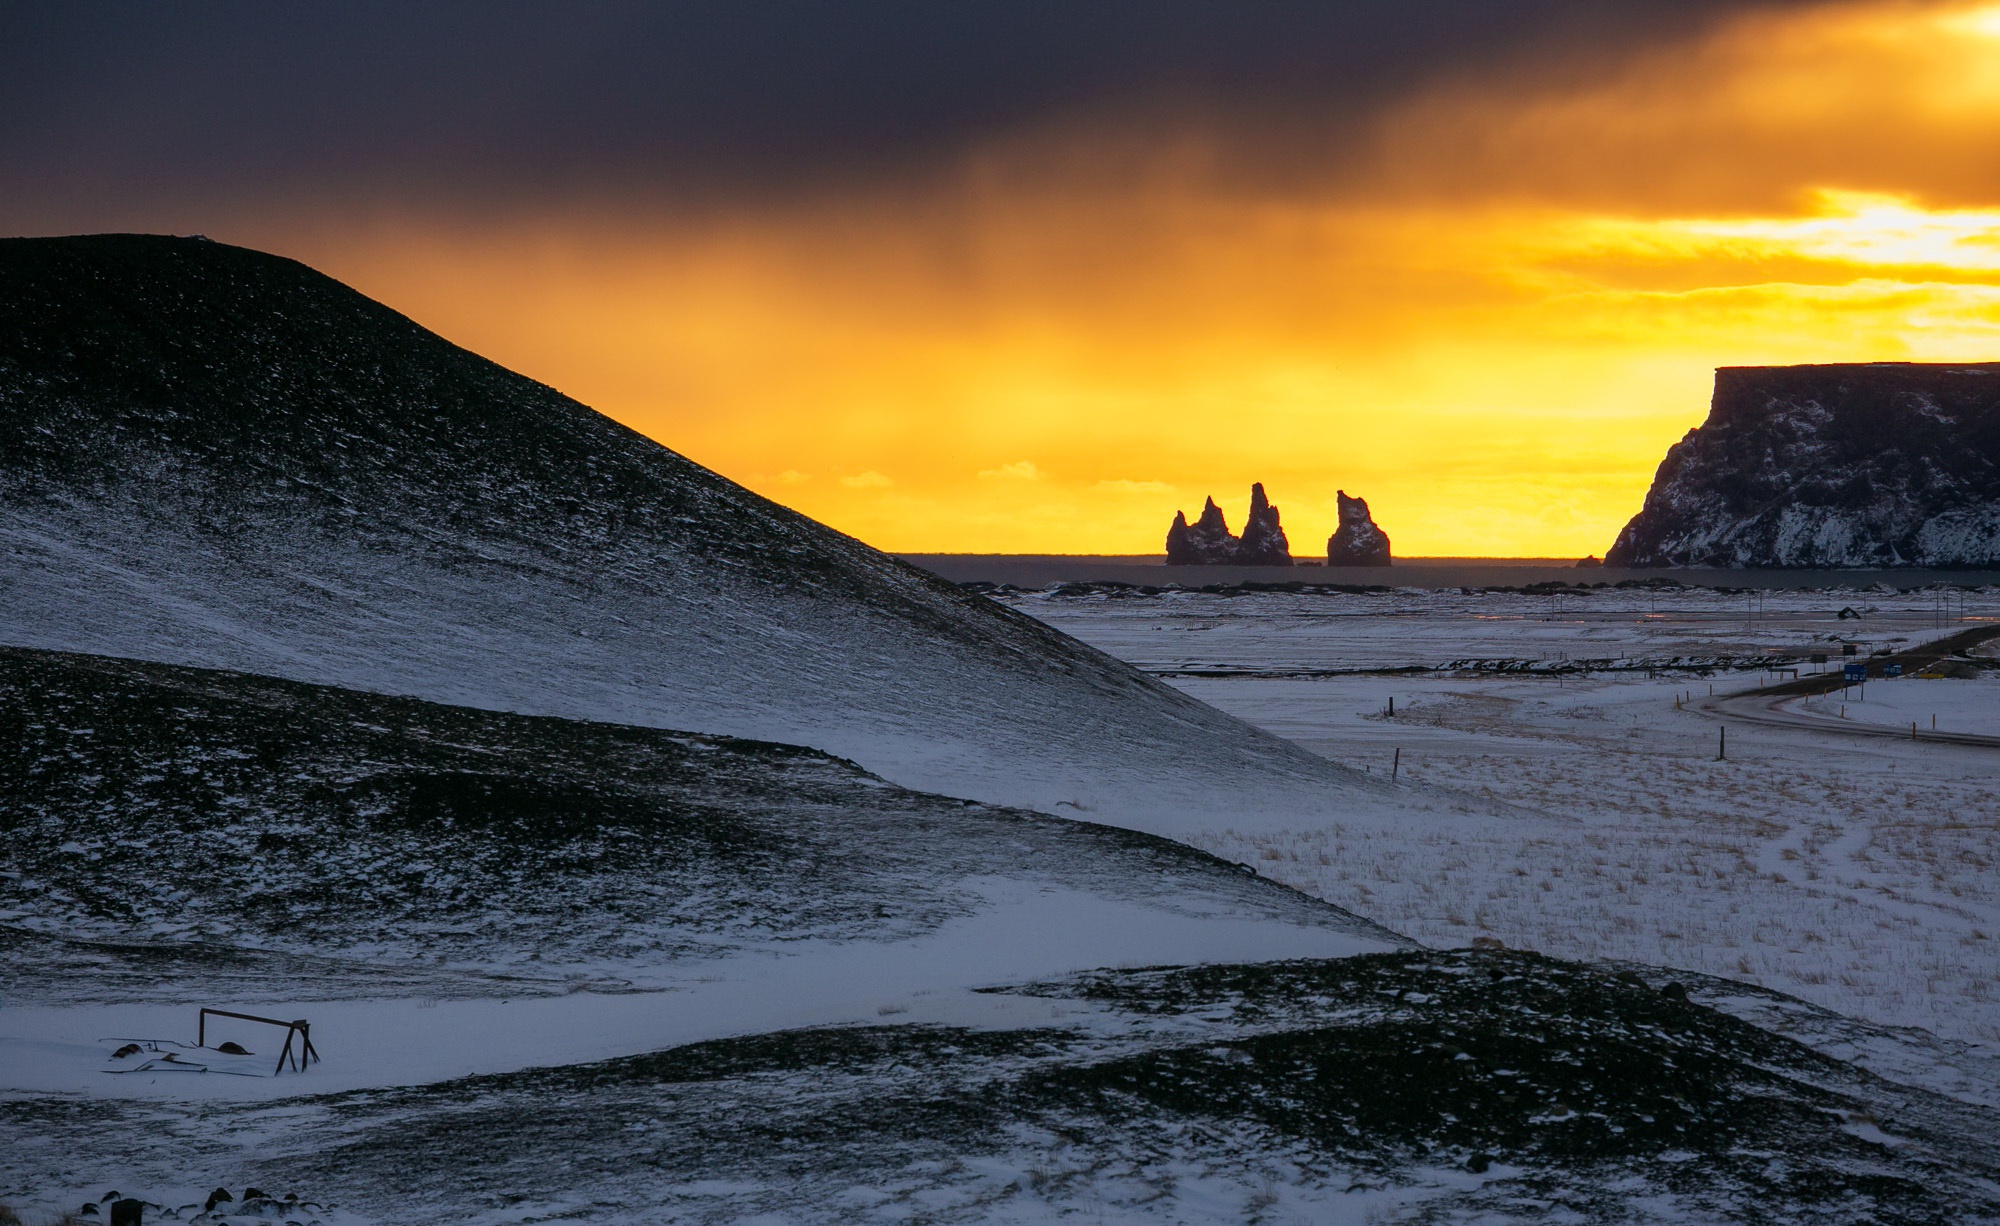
x=1143, y=570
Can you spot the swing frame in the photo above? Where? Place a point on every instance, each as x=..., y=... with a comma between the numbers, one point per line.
x=300, y=1029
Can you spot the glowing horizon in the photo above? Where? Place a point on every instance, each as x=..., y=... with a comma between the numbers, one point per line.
x=1493, y=334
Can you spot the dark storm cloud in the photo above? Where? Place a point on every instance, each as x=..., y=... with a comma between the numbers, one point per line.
x=119, y=105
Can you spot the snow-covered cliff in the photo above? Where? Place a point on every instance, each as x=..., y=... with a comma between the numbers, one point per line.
x=1867, y=465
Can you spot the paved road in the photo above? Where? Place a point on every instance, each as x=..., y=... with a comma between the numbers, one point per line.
x=1763, y=707
x=1767, y=705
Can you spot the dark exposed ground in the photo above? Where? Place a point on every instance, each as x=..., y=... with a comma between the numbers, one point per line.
x=1454, y=1086
x=171, y=828
x=165, y=823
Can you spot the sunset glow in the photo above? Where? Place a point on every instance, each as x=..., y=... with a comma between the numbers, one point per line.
x=1491, y=322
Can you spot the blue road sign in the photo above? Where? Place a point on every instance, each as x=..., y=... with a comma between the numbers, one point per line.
x=1853, y=672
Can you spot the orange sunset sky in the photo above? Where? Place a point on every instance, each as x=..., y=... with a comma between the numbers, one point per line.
x=1488, y=304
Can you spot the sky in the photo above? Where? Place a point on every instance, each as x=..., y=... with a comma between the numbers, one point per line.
x=1029, y=277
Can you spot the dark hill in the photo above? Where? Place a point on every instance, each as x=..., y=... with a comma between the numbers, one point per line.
x=1876, y=465
x=169, y=830
x=216, y=457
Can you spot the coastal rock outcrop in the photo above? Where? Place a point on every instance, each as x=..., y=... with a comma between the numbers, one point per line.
x=1208, y=541
x=1881, y=464
x=1359, y=540
x=1263, y=542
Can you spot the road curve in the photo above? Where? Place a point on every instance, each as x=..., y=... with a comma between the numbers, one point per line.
x=1764, y=707
x=1767, y=705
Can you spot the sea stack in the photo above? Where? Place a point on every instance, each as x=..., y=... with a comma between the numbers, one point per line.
x=1208, y=541
x=1879, y=464
x=1358, y=541
x=1263, y=542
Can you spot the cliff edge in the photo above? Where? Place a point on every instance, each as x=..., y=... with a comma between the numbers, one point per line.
x=1880, y=464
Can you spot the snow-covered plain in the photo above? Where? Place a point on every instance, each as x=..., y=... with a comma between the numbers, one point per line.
x=1022, y=931
x=1856, y=873
x=1923, y=704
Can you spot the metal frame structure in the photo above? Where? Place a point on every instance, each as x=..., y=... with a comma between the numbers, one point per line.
x=301, y=1029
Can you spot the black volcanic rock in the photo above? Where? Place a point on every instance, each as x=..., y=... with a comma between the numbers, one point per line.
x=1264, y=542
x=1869, y=465
x=1358, y=541
x=1208, y=541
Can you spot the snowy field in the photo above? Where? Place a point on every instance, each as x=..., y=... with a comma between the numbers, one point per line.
x=1857, y=873
x=416, y=874
x=569, y=972
x=1923, y=704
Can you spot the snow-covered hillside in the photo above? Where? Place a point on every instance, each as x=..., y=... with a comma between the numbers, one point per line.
x=273, y=842
x=215, y=457
x=560, y=971
x=1881, y=464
